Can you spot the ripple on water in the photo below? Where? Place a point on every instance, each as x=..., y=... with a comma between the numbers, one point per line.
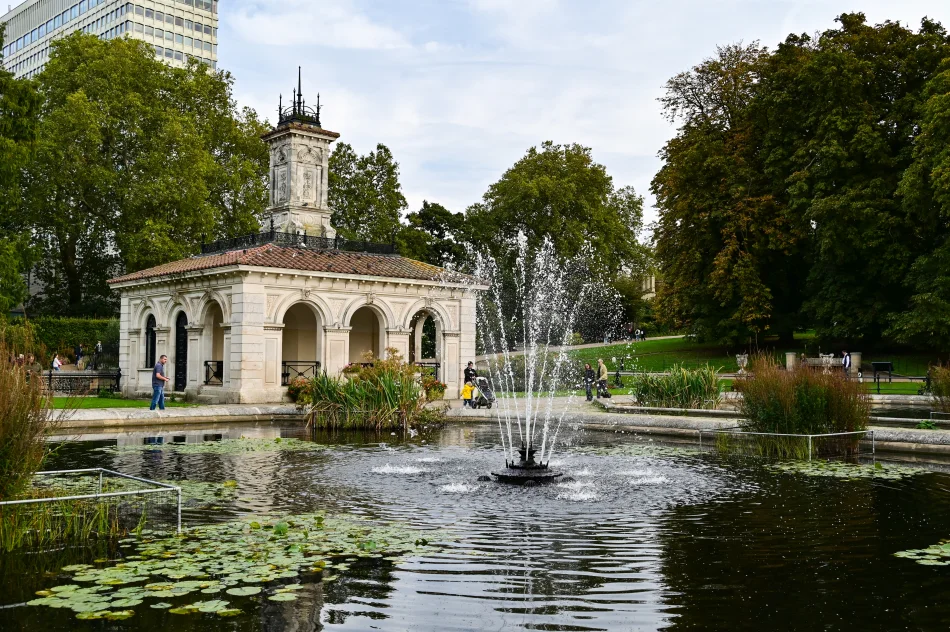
x=578, y=491
x=398, y=469
x=458, y=488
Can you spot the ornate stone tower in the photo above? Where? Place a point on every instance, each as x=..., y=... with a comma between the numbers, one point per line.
x=299, y=160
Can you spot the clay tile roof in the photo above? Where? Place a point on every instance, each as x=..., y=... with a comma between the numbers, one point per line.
x=290, y=258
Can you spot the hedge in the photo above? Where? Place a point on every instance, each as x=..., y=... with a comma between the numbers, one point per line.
x=51, y=335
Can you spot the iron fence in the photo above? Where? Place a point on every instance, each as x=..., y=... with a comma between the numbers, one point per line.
x=83, y=382
x=214, y=372
x=292, y=369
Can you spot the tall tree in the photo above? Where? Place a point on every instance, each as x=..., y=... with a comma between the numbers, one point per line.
x=435, y=235
x=559, y=192
x=136, y=164
x=19, y=107
x=365, y=194
x=727, y=249
x=925, y=193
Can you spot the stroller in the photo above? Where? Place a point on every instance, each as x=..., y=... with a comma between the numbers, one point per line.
x=483, y=395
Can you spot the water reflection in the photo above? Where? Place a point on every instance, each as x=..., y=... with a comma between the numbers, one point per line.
x=643, y=538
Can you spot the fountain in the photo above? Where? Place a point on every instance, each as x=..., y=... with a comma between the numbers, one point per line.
x=534, y=302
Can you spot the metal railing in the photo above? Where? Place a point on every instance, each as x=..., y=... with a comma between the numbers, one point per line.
x=435, y=366
x=292, y=369
x=737, y=431
x=82, y=382
x=214, y=372
x=298, y=241
x=157, y=488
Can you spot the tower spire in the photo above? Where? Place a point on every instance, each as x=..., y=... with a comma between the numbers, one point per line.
x=299, y=92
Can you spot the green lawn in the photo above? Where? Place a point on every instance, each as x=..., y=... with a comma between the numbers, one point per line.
x=105, y=402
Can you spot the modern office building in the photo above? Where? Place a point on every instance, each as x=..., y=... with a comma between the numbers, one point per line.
x=178, y=29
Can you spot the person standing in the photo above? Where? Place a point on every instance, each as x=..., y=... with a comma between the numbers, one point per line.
x=158, y=384
x=467, y=394
x=96, y=356
x=56, y=362
x=602, y=376
x=846, y=363
x=77, y=351
x=470, y=372
x=588, y=381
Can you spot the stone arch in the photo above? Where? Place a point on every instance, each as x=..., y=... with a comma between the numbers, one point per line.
x=317, y=303
x=431, y=306
x=367, y=326
x=176, y=305
x=382, y=309
x=207, y=301
x=211, y=343
x=302, y=340
x=142, y=311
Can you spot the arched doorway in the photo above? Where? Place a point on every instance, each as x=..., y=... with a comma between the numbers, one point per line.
x=300, y=344
x=213, y=345
x=366, y=334
x=181, y=352
x=150, y=358
x=424, y=330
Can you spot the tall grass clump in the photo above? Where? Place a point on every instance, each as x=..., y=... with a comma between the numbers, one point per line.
x=940, y=387
x=679, y=388
x=385, y=396
x=801, y=402
x=26, y=420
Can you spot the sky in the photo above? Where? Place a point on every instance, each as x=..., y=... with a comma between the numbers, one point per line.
x=460, y=89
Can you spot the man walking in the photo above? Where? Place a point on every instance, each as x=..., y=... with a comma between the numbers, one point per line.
x=158, y=384
x=846, y=363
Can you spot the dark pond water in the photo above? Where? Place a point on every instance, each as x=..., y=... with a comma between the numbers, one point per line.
x=645, y=537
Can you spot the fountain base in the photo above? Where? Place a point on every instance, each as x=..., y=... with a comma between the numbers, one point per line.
x=527, y=471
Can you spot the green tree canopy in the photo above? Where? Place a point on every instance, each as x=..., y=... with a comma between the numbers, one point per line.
x=365, y=194
x=797, y=190
x=19, y=107
x=559, y=192
x=435, y=235
x=136, y=164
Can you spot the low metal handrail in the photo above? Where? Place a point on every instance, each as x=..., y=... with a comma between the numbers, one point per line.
x=82, y=381
x=737, y=430
x=292, y=369
x=435, y=366
x=214, y=372
x=163, y=488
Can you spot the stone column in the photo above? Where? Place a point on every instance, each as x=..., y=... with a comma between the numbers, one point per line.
x=855, y=363
x=451, y=371
x=337, y=341
x=226, y=356
x=399, y=339
x=126, y=365
x=791, y=360
x=417, y=333
x=132, y=360
x=196, y=364
x=273, y=354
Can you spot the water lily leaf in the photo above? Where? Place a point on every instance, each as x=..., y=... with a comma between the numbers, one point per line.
x=283, y=596
x=161, y=605
x=244, y=591
x=43, y=593
x=229, y=612
x=290, y=587
x=281, y=528
x=183, y=610
x=85, y=616
x=72, y=568
x=119, y=614
x=126, y=603
x=211, y=606
x=66, y=588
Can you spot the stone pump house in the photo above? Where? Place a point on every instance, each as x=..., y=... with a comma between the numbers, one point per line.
x=249, y=314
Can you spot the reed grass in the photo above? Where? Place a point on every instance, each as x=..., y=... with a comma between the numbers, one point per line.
x=940, y=387
x=58, y=522
x=385, y=396
x=682, y=387
x=801, y=402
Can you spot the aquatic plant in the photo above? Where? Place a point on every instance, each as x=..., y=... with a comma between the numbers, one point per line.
x=60, y=522
x=940, y=387
x=845, y=470
x=223, y=446
x=381, y=394
x=26, y=420
x=801, y=402
x=680, y=387
x=243, y=558
x=934, y=555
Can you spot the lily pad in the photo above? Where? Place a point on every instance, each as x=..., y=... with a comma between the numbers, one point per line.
x=229, y=612
x=244, y=591
x=117, y=615
x=126, y=603
x=161, y=605
x=283, y=596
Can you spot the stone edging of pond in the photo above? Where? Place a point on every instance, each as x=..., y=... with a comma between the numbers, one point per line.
x=105, y=417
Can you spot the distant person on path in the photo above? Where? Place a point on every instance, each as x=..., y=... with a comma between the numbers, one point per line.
x=470, y=372
x=589, y=378
x=56, y=362
x=32, y=366
x=158, y=384
x=602, y=377
x=78, y=353
x=846, y=363
x=97, y=355
x=467, y=394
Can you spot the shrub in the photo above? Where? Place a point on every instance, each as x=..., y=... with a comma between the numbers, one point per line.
x=299, y=390
x=680, y=388
x=385, y=396
x=940, y=387
x=801, y=402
